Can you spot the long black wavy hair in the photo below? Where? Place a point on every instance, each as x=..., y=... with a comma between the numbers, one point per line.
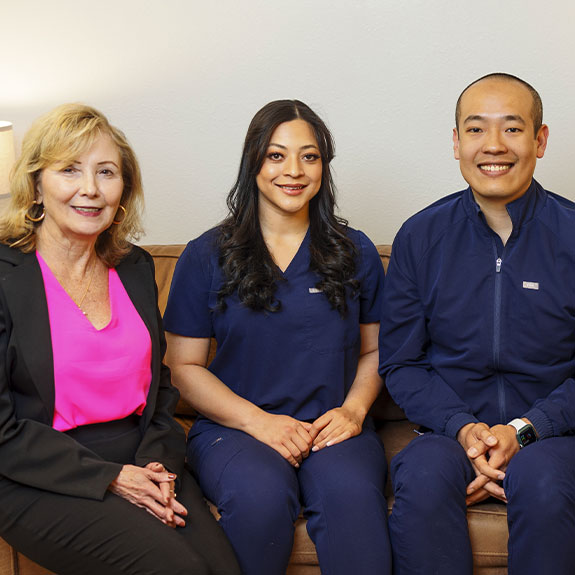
x=244, y=258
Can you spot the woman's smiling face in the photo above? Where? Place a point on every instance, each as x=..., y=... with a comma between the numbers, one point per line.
x=290, y=175
x=81, y=197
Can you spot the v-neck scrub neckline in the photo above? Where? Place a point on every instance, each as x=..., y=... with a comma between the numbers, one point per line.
x=300, y=253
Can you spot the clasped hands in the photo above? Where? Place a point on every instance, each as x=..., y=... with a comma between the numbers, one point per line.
x=152, y=488
x=490, y=450
x=294, y=439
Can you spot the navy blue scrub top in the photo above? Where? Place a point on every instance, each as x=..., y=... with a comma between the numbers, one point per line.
x=299, y=361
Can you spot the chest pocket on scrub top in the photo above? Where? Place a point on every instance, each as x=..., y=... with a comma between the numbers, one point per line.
x=326, y=330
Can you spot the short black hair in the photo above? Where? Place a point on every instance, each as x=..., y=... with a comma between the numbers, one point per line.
x=536, y=110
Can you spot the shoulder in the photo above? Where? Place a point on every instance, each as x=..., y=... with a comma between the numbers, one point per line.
x=558, y=214
x=430, y=225
x=438, y=216
x=136, y=255
x=204, y=249
x=360, y=240
x=367, y=254
x=13, y=257
x=207, y=243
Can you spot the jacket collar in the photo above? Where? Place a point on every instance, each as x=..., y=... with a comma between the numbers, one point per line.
x=521, y=211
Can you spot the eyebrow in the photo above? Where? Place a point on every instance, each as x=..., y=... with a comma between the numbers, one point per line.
x=507, y=118
x=307, y=147
x=99, y=163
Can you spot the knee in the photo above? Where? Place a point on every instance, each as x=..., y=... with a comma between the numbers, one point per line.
x=269, y=492
x=431, y=469
x=538, y=485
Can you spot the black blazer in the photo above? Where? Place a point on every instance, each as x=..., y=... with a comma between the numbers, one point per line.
x=31, y=451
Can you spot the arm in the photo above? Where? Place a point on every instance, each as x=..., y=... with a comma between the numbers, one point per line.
x=188, y=358
x=32, y=452
x=404, y=364
x=163, y=439
x=491, y=450
x=346, y=421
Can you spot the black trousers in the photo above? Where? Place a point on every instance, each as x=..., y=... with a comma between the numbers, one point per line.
x=77, y=536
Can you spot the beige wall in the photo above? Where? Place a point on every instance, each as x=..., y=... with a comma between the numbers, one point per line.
x=183, y=78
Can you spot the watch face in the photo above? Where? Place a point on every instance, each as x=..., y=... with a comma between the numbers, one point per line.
x=527, y=435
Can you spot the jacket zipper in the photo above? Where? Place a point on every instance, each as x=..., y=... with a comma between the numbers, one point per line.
x=497, y=334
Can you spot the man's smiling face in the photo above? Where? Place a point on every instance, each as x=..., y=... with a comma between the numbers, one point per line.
x=495, y=144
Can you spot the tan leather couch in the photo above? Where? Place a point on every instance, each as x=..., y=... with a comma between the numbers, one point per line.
x=487, y=521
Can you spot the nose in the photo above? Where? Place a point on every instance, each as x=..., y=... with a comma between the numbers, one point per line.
x=293, y=166
x=89, y=184
x=493, y=142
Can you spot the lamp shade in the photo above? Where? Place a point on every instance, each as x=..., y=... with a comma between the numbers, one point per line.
x=7, y=156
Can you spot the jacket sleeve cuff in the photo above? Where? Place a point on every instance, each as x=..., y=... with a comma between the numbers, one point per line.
x=542, y=424
x=456, y=422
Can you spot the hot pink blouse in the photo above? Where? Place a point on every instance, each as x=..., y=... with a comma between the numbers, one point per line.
x=99, y=375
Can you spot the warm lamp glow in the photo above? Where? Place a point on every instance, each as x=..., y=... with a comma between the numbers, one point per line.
x=7, y=156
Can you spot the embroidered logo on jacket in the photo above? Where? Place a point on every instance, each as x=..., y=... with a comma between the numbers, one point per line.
x=530, y=285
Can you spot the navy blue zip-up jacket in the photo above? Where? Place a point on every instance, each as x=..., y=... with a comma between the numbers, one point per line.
x=473, y=330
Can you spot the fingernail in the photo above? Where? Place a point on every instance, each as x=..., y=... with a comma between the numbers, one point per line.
x=472, y=451
x=171, y=475
x=315, y=448
x=501, y=476
x=491, y=440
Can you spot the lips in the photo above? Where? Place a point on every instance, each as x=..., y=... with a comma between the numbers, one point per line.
x=292, y=189
x=86, y=210
x=495, y=169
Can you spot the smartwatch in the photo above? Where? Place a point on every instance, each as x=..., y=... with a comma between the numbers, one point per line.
x=526, y=433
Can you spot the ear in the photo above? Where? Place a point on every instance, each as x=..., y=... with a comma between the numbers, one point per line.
x=455, y=144
x=542, y=136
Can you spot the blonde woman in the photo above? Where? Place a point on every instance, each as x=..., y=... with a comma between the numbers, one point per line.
x=92, y=475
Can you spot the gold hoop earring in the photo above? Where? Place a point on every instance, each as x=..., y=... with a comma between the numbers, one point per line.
x=37, y=219
x=120, y=207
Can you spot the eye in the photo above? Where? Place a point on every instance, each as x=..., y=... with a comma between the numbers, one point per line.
x=513, y=130
x=473, y=130
x=107, y=172
x=275, y=156
x=68, y=170
x=311, y=157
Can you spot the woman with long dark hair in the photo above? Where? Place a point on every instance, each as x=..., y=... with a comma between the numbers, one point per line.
x=292, y=296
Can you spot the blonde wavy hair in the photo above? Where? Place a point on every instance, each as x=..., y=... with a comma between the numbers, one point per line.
x=61, y=136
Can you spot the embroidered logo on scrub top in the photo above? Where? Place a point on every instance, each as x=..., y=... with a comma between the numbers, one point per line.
x=314, y=290
x=531, y=285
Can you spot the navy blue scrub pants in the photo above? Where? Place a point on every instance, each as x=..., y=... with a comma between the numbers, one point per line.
x=258, y=494
x=428, y=525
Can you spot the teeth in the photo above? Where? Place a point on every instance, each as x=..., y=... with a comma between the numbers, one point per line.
x=494, y=168
x=87, y=209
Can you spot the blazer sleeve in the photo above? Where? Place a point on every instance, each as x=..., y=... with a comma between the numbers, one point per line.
x=35, y=454
x=163, y=438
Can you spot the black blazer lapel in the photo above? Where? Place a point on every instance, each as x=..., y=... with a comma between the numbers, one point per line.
x=138, y=280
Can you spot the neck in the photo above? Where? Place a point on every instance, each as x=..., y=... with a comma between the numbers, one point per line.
x=497, y=217
x=280, y=225
x=74, y=255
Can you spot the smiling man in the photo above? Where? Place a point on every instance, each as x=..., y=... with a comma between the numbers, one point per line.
x=477, y=345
